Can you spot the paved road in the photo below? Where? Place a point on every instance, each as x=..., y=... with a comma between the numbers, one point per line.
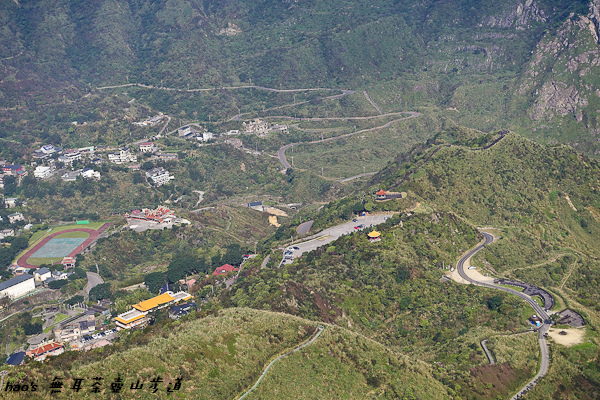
x=356, y=177
x=317, y=333
x=331, y=234
x=265, y=262
x=487, y=351
x=545, y=358
x=304, y=227
x=281, y=151
x=93, y=279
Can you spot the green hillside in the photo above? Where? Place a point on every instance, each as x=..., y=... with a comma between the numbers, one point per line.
x=221, y=356
x=488, y=65
x=543, y=204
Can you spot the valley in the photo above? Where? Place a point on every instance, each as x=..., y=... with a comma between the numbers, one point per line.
x=266, y=199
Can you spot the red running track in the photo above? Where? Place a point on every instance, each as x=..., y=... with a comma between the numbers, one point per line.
x=22, y=261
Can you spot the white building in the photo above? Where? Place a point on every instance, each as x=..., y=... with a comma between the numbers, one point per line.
x=123, y=156
x=6, y=232
x=159, y=176
x=10, y=202
x=205, y=136
x=41, y=274
x=17, y=286
x=256, y=127
x=70, y=176
x=89, y=173
x=48, y=149
x=147, y=147
x=12, y=218
x=231, y=132
x=70, y=156
x=185, y=131
x=281, y=128
x=42, y=172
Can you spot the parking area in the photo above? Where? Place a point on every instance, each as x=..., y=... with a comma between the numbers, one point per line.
x=92, y=338
x=331, y=234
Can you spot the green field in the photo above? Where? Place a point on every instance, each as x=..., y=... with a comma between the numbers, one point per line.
x=40, y=261
x=77, y=234
x=39, y=235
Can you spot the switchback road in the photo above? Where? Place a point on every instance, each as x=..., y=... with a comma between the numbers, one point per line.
x=281, y=151
x=545, y=358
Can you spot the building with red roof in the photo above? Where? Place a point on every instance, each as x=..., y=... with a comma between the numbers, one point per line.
x=383, y=195
x=50, y=349
x=68, y=262
x=223, y=269
x=147, y=147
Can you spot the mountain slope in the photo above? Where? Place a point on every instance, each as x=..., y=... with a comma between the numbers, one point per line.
x=220, y=357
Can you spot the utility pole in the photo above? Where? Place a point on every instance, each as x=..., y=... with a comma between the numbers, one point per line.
x=321, y=171
x=292, y=160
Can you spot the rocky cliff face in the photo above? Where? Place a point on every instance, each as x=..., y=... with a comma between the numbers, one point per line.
x=517, y=15
x=562, y=78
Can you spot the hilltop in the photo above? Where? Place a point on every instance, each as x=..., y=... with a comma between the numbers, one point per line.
x=222, y=355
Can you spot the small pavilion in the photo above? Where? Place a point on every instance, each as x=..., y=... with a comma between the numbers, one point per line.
x=374, y=236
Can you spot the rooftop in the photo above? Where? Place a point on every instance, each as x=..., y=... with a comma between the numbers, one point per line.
x=154, y=302
x=129, y=316
x=16, y=358
x=15, y=281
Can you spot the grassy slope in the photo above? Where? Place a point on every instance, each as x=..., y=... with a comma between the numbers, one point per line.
x=391, y=292
x=220, y=357
x=522, y=188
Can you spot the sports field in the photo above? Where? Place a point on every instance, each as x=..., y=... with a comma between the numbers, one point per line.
x=63, y=241
x=58, y=247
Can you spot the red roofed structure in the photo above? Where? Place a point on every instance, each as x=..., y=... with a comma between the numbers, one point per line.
x=53, y=348
x=223, y=269
x=161, y=215
x=384, y=195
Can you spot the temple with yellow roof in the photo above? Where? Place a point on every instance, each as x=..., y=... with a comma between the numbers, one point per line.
x=138, y=317
x=374, y=236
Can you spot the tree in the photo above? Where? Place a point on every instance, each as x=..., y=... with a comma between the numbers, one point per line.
x=234, y=255
x=403, y=275
x=101, y=291
x=78, y=273
x=57, y=284
x=154, y=281
x=137, y=178
x=10, y=185
x=33, y=329
x=495, y=302
x=74, y=300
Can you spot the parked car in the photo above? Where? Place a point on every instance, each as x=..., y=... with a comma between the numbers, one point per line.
x=354, y=220
x=357, y=227
x=296, y=248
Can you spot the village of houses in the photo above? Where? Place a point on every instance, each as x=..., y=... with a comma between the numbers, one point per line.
x=86, y=327
x=49, y=160
x=81, y=327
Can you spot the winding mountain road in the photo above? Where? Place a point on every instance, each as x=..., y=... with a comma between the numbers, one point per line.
x=545, y=357
x=281, y=151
